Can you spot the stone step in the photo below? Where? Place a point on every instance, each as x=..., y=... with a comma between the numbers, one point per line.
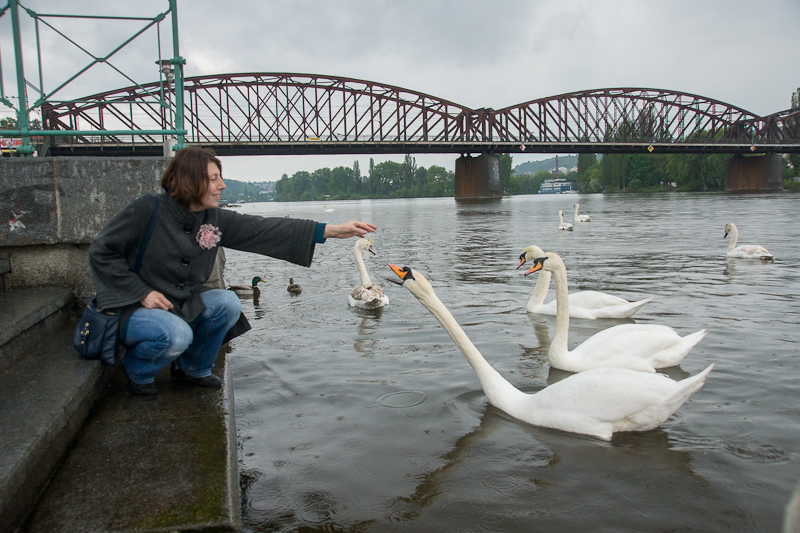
x=79, y=452
x=149, y=463
x=29, y=316
x=45, y=398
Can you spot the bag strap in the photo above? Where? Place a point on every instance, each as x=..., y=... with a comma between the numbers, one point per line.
x=147, y=233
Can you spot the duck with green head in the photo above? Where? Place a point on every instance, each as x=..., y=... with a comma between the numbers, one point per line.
x=247, y=291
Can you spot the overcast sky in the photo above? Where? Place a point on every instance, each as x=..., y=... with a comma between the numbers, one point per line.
x=475, y=53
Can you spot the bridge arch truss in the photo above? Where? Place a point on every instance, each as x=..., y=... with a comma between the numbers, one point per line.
x=281, y=113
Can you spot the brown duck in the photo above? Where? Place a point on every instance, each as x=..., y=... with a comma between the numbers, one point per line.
x=293, y=287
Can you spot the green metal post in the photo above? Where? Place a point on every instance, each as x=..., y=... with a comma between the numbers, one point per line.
x=178, y=61
x=22, y=113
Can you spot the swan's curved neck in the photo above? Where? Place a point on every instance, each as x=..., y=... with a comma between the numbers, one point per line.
x=540, y=290
x=497, y=389
x=576, y=211
x=362, y=269
x=734, y=236
x=558, y=346
x=560, y=217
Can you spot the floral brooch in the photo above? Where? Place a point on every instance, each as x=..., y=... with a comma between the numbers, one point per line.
x=208, y=236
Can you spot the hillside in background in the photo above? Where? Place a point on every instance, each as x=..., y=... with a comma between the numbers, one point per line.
x=237, y=192
x=532, y=167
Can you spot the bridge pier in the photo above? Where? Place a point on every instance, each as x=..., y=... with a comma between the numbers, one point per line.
x=478, y=178
x=759, y=173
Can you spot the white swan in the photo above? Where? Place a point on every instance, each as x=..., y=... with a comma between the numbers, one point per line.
x=581, y=218
x=367, y=295
x=564, y=225
x=582, y=304
x=745, y=251
x=326, y=210
x=643, y=347
x=598, y=402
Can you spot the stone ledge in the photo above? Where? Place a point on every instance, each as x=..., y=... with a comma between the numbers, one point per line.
x=161, y=463
x=20, y=310
x=44, y=399
x=29, y=316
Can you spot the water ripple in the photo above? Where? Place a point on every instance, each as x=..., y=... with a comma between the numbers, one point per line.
x=760, y=453
x=401, y=399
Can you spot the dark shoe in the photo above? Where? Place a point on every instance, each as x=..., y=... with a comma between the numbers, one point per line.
x=145, y=389
x=207, y=381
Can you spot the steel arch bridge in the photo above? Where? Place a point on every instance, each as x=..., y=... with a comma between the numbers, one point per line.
x=283, y=113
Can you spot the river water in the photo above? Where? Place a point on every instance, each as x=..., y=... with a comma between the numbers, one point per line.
x=352, y=420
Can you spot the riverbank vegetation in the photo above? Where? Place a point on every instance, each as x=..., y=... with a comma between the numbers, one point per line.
x=609, y=173
x=384, y=180
x=651, y=172
x=791, y=172
x=662, y=172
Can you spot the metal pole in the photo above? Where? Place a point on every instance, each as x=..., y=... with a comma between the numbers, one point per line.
x=178, y=61
x=22, y=113
x=39, y=56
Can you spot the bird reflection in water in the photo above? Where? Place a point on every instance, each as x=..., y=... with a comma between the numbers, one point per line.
x=535, y=466
x=258, y=311
x=364, y=343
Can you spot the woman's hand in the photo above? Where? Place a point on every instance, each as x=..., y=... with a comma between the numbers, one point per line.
x=156, y=300
x=354, y=228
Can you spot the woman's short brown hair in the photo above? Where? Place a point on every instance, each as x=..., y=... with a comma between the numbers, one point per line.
x=186, y=177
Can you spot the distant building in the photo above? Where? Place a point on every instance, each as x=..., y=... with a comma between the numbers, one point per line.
x=555, y=186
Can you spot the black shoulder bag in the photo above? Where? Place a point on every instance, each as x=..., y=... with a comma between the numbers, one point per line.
x=97, y=334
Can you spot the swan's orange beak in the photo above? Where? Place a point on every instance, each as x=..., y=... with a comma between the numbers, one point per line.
x=521, y=261
x=399, y=271
x=537, y=265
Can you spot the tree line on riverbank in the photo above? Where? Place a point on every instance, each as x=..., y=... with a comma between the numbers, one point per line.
x=654, y=172
x=609, y=173
x=384, y=180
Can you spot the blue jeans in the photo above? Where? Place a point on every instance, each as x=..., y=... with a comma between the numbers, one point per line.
x=155, y=338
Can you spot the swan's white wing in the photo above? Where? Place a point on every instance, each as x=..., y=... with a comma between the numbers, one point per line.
x=629, y=335
x=575, y=311
x=749, y=251
x=643, y=347
x=595, y=299
x=601, y=401
x=596, y=304
x=606, y=394
x=593, y=305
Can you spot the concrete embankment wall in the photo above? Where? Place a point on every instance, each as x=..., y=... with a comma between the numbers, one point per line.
x=53, y=207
